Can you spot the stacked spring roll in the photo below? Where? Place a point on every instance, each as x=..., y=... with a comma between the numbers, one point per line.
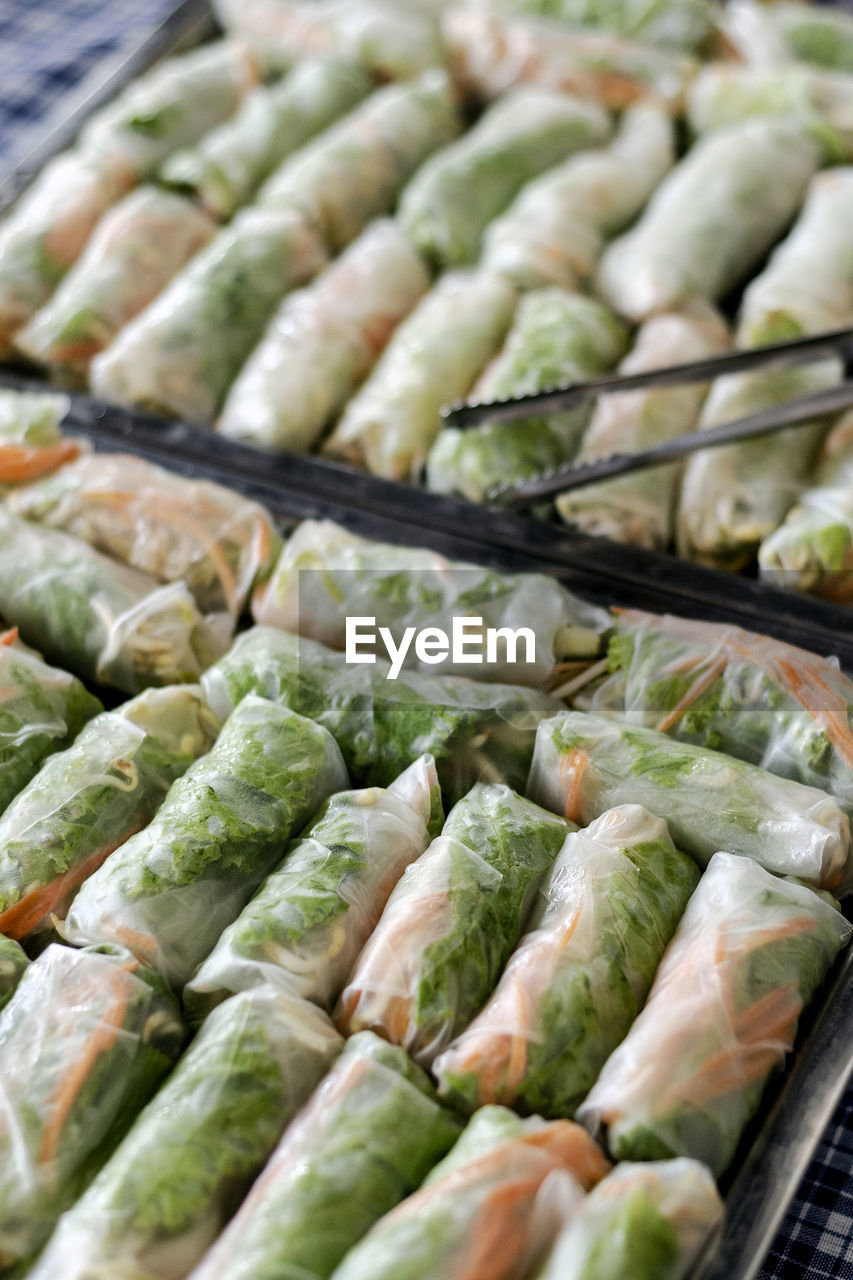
x=580, y=974
x=639, y=509
x=168, y=892
x=87, y=800
x=324, y=340
x=473, y=730
x=311, y=917
x=31, y=442
x=678, y=24
x=451, y=922
x=446, y=206
x=175, y=529
x=585, y=764
x=367, y=1138
x=106, y=621
x=789, y=32
x=174, y=1181
x=43, y=710
x=554, y=232
x=13, y=964
x=489, y=1208
x=432, y=359
x=228, y=164
x=326, y=574
x=749, y=955
x=85, y=1039
x=556, y=338
x=712, y=219
x=650, y=1221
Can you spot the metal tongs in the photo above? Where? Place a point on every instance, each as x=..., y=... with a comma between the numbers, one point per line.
x=837, y=343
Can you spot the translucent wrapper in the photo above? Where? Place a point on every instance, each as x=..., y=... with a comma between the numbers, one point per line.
x=639, y=508
x=556, y=338
x=173, y=528
x=490, y=1208
x=473, y=730
x=712, y=219
x=102, y=619
x=84, y=1041
x=311, y=917
x=392, y=40
x=47, y=229
x=367, y=1138
x=326, y=574
x=446, y=206
x=585, y=764
x=172, y=1185
x=355, y=170
x=808, y=284
x=451, y=923
x=490, y=53
x=13, y=963
x=324, y=340
x=182, y=352
x=168, y=892
x=553, y=233
x=42, y=709
x=749, y=695
x=650, y=1221
x=171, y=106
x=229, y=163
x=747, y=958
x=580, y=974
x=133, y=253
x=433, y=358
x=677, y=24
x=778, y=34
x=87, y=800
x=733, y=496
x=813, y=549
x=31, y=443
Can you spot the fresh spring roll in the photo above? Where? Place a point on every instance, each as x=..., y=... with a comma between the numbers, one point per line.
x=554, y=231
x=13, y=964
x=181, y=353
x=31, y=442
x=556, y=338
x=102, y=619
x=813, y=549
x=324, y=340
x=355, y=170
x=734, y=495
x=712, y=219
x=752, y=696
x=648, y=1221
x=133, y=253
x=432, y=359
x=484, y=1210
x=84, y=1041
x=580, y=974
x=446, y=206
x=451, y=923
x=226, y=167
x=491, y=52
x=808, y=284
x=43, y=710
x=171, y=106
x=168, y=892
x=325, y=574
x=750, y=953
x=585, y=764
x=639, y=509
x=393, y=41
x=173, y=1183
x=776, y=35
x=677, y=24
x=381, y=725
x=90, y=798
x=311, y=917
x=367, y=1138
x=171, y=527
